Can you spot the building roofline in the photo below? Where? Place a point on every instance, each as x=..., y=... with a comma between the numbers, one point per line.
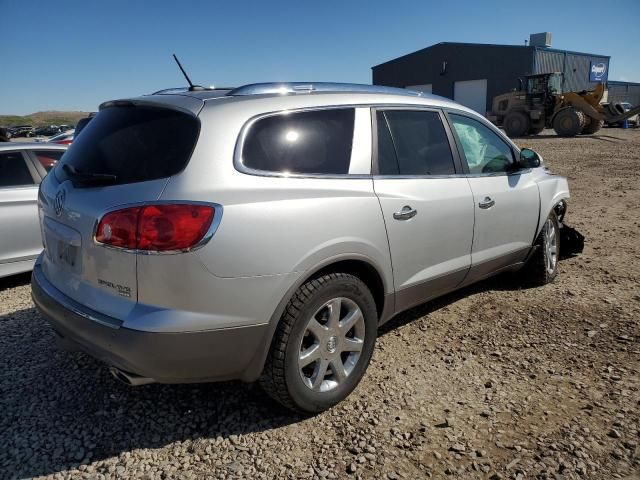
x=560, y=50
x=623, y=82
x=469, y=44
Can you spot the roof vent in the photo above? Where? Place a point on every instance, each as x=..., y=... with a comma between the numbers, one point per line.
x=540, y=39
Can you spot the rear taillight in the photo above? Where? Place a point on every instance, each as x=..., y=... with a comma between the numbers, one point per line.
x=157, y=228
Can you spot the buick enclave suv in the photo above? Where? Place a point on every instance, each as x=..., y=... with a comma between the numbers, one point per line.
x=266, y=232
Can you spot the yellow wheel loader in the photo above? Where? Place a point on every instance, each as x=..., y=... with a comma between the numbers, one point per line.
x=541, y=104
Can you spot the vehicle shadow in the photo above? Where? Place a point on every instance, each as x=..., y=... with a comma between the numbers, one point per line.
x=503, y=282
x=59, y=409
x=572, y=244
x=15, y=281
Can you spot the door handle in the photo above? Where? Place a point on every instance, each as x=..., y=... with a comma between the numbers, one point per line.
x=488, y=202
x=406, y=213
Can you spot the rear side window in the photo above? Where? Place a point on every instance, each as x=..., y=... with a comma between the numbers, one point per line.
x=48, y=158
x=14, y=171
x=387, y=160
x=421, y=143
x=315, y=142
x=135, y=144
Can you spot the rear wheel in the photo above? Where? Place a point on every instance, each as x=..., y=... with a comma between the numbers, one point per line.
x=592, y=127
x=323, y=343
x=516, y=124
x=542, y=267
x=569, y=122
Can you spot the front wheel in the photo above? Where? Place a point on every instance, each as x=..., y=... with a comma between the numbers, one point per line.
x=323, y=343
x=569, y=122
x=592, y=127
x=542, y=267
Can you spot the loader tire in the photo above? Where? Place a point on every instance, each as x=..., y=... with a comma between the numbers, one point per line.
x=516, y=124
x=592, y=127
x=569, y=122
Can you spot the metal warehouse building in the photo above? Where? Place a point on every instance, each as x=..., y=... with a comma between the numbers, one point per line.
x=624, y=92
x=473, y=74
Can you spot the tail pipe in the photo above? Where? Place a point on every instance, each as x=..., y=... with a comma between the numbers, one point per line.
x=129, y=378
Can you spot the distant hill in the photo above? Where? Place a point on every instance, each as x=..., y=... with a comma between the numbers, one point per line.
x=39, y=119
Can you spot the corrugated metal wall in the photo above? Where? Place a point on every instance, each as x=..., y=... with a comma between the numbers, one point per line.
x=575, y=67
x=624, y=92
x=548, y=62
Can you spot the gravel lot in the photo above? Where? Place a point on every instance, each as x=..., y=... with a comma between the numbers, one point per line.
x=491, y=382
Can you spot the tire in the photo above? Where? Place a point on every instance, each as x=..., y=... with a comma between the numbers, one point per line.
x=592, y=127
x=516, y=124
x=542, y=267
x=535, y=131
x=568, y=122
x=306, y=326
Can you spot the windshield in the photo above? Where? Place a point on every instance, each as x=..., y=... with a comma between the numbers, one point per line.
x=555, y=84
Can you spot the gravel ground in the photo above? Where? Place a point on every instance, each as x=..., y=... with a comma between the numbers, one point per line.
x=491, y=382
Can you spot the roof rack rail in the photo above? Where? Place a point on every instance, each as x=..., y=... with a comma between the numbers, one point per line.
x=287, y=88
x=167, y=91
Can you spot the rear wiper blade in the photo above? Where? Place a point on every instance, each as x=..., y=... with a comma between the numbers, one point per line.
x=89, y=177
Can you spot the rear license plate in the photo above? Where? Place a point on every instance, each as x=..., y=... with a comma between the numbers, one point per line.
x=66, y=254
x=62, y=244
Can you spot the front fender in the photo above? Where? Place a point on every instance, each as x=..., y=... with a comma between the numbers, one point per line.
x=553, y=188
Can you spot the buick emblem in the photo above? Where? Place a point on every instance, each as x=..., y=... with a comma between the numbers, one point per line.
x=58, y=202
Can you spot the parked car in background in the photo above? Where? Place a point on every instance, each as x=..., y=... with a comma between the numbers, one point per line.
x=22, y=168
x=22, y=131
x=47, y=131
x=64, y=138
x=619, y=108
x=83, y=122
x=300, y=217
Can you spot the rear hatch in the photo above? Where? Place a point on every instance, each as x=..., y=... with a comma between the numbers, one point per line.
x=124, y=157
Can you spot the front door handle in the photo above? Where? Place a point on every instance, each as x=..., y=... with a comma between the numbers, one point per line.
x=406, y=213
x=488, y=202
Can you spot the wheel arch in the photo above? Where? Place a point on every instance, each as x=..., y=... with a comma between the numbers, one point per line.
x=355, y=264
x=554, y=193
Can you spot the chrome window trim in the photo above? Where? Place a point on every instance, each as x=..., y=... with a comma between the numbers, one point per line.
x=237, y=154
x=244, y=131
x=215, y=223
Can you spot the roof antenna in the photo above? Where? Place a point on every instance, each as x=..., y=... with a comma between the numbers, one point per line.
x=192, y=87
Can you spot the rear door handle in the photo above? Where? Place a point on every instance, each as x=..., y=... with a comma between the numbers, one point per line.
x=406, y=213
x=488, y=202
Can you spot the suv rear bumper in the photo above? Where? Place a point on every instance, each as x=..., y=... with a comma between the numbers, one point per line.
x=210, y=355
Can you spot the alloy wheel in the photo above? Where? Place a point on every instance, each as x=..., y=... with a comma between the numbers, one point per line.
x=331, y=344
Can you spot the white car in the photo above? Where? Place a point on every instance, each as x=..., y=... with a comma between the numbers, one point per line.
x=22, y=168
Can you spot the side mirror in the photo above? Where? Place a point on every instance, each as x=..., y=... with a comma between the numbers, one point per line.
x=529, y=159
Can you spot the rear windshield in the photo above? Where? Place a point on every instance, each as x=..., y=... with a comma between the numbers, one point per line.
x=135, y=144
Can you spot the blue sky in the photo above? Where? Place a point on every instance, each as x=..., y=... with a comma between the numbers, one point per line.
x=72, y=55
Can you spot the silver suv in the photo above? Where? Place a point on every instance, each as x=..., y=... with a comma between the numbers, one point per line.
x=266, y=232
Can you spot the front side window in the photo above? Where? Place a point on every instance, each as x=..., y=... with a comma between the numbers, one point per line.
x=313, y=142
x=14, y=171
x=484, y=150
x=420, y=143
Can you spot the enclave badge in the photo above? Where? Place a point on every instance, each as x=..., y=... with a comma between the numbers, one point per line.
x=58, y=203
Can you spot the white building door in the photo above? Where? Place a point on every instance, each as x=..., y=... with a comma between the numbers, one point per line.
x=420, y=88
x=472, y=94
